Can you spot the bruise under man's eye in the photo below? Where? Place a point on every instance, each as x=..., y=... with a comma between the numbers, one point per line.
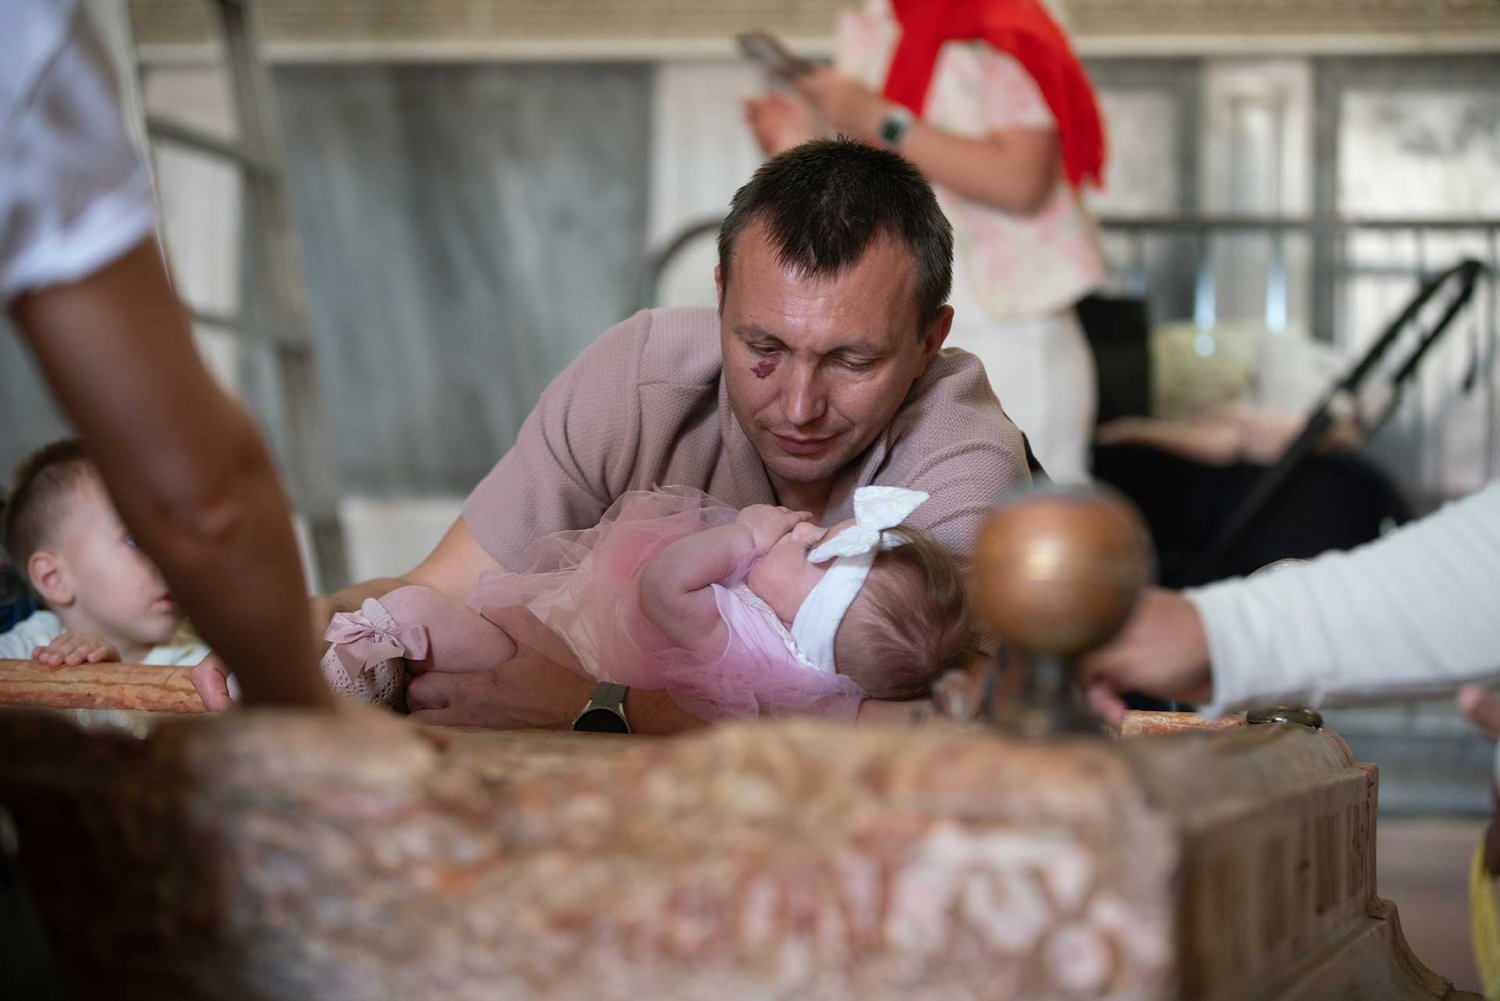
x=765, y=367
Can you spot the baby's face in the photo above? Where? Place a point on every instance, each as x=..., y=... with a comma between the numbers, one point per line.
x=783, y=578
x=117, y=590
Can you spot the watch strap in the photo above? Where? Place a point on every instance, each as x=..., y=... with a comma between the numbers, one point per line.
x=607, y=697
x=895, y=126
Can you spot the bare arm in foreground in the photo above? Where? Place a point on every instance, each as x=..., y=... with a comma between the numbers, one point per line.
x=184, y=465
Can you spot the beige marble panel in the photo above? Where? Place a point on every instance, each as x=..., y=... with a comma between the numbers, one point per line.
x=177, y=21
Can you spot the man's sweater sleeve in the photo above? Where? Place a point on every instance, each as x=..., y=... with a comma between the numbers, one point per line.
x=574, y=451
x=1416, y=612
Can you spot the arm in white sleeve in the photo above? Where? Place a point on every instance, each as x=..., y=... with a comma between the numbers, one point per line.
x=1416, y=612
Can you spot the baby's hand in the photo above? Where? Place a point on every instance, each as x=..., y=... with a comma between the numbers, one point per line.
x=75, y=648
x=768, y=523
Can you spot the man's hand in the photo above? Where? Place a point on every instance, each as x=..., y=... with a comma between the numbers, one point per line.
x=323, y=610
x=526, y=692
x=768, y=523
x=211, y=680
x=349, y=600
x=75, y=648
x=1162, y=651
x=780, y=122
x=530, y=691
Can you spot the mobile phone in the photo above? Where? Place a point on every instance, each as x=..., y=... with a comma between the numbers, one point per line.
x=766, y=49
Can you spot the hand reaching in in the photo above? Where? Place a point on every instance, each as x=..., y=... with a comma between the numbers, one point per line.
x=781, y=121
x=1162, y=651
x=75, y=648
x=842, y=101
x=214, y=684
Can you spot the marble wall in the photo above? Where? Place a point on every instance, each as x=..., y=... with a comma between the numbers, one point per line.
x=1428, y=147
x=466, y=231
x=28, y=417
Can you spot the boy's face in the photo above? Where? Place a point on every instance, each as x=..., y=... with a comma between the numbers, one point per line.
x=100, y=582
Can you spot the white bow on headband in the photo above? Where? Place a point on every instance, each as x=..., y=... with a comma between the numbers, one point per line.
x=877, y=510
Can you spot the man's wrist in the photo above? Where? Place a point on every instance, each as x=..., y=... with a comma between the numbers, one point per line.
x=605, y=710
x=656, y=713
x=1196, y=652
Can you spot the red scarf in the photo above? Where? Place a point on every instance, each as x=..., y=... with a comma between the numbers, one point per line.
x=1023, y=29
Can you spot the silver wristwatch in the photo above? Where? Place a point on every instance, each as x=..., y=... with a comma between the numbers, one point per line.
x=605, y=712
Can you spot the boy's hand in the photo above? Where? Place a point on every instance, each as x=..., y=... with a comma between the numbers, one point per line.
x=75, y=648
x=768, y=523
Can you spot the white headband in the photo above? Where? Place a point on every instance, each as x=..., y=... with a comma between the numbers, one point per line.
x=853, y=551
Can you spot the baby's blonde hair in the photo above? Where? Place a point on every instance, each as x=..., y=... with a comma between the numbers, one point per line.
x=909, y=623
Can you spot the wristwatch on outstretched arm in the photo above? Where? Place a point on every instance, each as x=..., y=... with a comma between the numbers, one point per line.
x=605, y=712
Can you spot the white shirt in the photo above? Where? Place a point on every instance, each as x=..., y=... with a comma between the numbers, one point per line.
x=1416, y=612
x=74, y=192
x=44, y=627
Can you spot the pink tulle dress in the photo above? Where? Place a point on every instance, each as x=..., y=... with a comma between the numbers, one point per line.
x=575, y=598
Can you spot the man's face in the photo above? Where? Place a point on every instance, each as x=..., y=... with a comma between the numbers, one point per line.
x=816, y=367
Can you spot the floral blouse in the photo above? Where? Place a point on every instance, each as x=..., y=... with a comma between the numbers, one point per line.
x=1017, y=267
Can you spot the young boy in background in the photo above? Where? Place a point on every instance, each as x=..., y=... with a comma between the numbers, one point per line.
x=103, y=598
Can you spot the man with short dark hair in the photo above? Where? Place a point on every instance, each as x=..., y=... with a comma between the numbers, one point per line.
x=821, y=372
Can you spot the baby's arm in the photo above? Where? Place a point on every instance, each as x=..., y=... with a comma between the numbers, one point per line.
x=676, y=595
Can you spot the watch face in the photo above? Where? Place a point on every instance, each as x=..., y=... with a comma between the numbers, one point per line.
x=601, y=721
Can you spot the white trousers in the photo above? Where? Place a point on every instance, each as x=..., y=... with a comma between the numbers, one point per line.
x=1042, y=370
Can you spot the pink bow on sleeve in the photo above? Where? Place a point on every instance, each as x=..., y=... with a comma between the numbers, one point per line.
x=361, y=644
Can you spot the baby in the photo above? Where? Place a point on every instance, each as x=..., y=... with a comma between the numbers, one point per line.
x=105, y=600
x=736, y=613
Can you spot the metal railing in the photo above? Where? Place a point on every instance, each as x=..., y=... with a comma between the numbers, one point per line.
x=1330, y=237
x=1203, y=230
x=1324, y=247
